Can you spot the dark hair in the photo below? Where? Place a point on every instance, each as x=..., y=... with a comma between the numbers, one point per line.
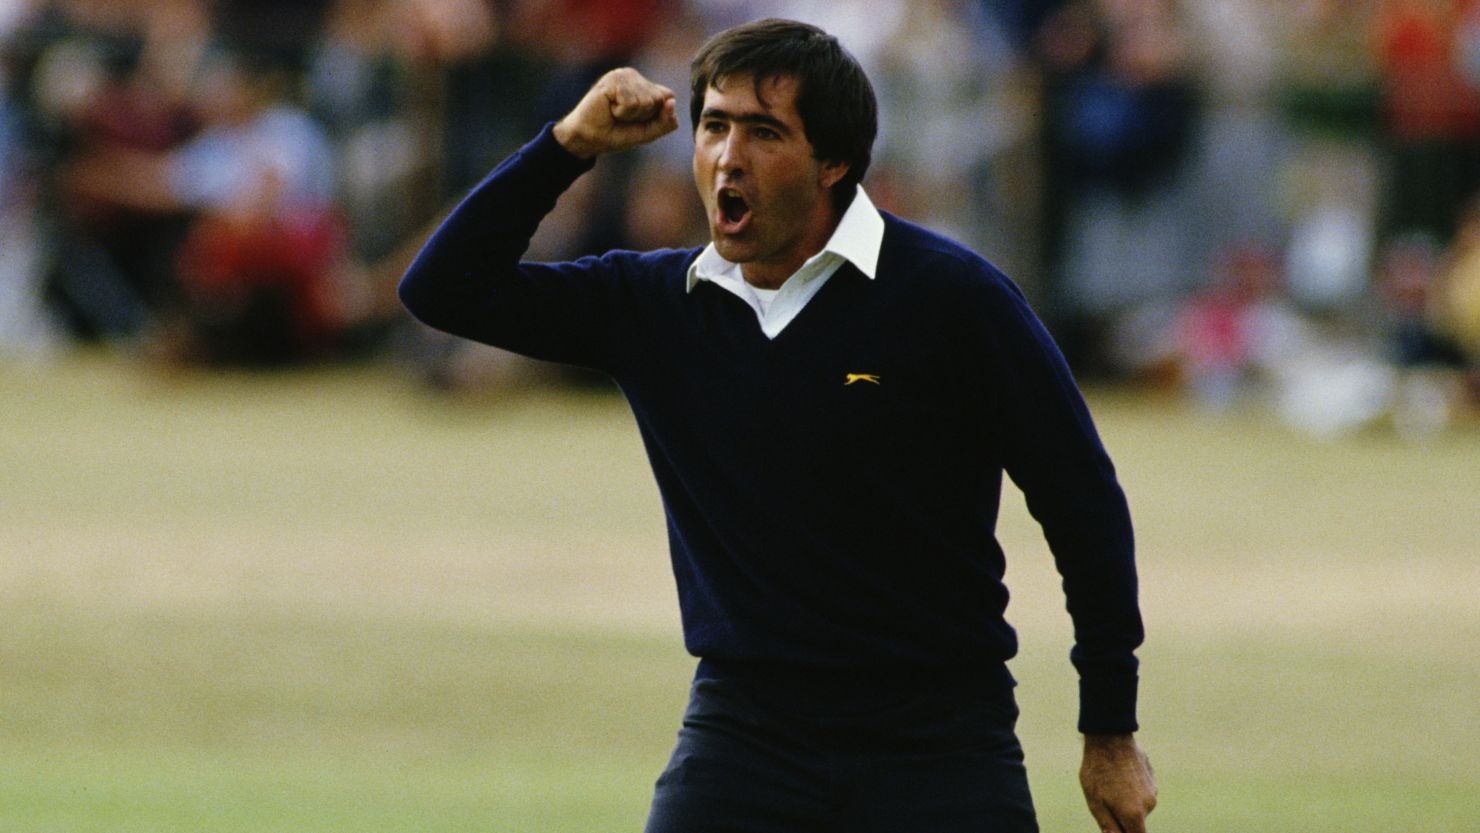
x=834, y=99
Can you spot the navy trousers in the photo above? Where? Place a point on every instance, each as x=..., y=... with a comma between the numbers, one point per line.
x=921, y=755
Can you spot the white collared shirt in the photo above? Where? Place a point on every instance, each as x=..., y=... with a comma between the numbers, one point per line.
x=856, y=240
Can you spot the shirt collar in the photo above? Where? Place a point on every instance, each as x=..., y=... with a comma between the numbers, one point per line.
x=857, y=239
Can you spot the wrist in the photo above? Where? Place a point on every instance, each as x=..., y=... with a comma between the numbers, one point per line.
x=567, y=137
x=1109, y=743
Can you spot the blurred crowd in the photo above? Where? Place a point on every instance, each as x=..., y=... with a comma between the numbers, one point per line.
x=1247, y=199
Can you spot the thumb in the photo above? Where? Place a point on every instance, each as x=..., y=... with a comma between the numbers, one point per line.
x=667, y=120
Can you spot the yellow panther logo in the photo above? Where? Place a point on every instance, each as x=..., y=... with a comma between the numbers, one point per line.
x=852, y=378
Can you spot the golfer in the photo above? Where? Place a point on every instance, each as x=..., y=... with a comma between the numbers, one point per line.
x=829, y=397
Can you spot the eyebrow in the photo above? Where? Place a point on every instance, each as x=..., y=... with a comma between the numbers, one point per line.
x=744, y=118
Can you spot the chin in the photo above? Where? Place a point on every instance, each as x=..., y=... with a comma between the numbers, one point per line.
x=732, y=251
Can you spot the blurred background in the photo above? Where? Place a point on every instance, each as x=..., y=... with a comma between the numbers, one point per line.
x=1235, y=197
x=275, y=557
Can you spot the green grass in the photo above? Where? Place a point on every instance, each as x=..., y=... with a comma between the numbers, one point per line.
x=324, y=601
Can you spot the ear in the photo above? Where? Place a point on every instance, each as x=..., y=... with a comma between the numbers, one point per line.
x=832, y=171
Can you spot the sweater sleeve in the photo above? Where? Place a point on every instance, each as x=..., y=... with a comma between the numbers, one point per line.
x=468, y=279
x=1052, y=451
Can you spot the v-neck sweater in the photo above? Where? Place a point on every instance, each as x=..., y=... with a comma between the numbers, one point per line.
x=831, y=494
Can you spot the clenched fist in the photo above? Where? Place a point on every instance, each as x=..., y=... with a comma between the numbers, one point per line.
x=1118, y=783
x=621, y=111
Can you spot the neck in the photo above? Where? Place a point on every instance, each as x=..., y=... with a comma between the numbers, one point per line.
x=769, y=276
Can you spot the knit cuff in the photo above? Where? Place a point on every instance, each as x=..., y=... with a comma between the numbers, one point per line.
x=1107, y=705
x=548, y=151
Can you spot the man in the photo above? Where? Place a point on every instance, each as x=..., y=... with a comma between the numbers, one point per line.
x=829, y=397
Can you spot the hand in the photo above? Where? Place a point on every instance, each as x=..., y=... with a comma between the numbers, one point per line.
x=621, y=111
x=1118, y=783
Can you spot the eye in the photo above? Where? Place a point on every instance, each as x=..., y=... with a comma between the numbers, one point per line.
x=712, y=126
x=766, y=133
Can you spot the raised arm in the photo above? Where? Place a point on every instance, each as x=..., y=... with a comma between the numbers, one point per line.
x=468, y=279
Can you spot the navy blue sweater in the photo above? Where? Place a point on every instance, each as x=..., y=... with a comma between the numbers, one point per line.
x=813, y=523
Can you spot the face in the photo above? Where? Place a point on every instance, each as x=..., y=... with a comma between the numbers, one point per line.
x=766, y=195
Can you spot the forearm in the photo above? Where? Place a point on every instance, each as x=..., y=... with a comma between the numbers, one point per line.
x=1091, y=538
x=451, y=282
x=1101, y=595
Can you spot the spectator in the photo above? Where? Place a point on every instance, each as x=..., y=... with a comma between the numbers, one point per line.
x=25, y=328
x=1226, y=333
x=1406, y=279
x=1241, y=134
x=1432, y=113
x=359, y=83
x=954, y=112
x=103, y=83
x=1426, y=389
x=1120, y=112
x=1164, y=135
x=1326, y=92
x=1459, y=292
x=259, y=265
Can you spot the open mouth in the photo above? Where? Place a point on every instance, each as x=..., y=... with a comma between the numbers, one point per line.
x=734, y=211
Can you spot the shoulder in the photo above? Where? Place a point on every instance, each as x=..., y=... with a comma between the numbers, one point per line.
x=667, y=260
x=652, y=264
x=660, y=271
x=928, y=263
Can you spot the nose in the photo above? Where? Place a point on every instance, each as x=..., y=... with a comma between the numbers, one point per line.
x=732, y=153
